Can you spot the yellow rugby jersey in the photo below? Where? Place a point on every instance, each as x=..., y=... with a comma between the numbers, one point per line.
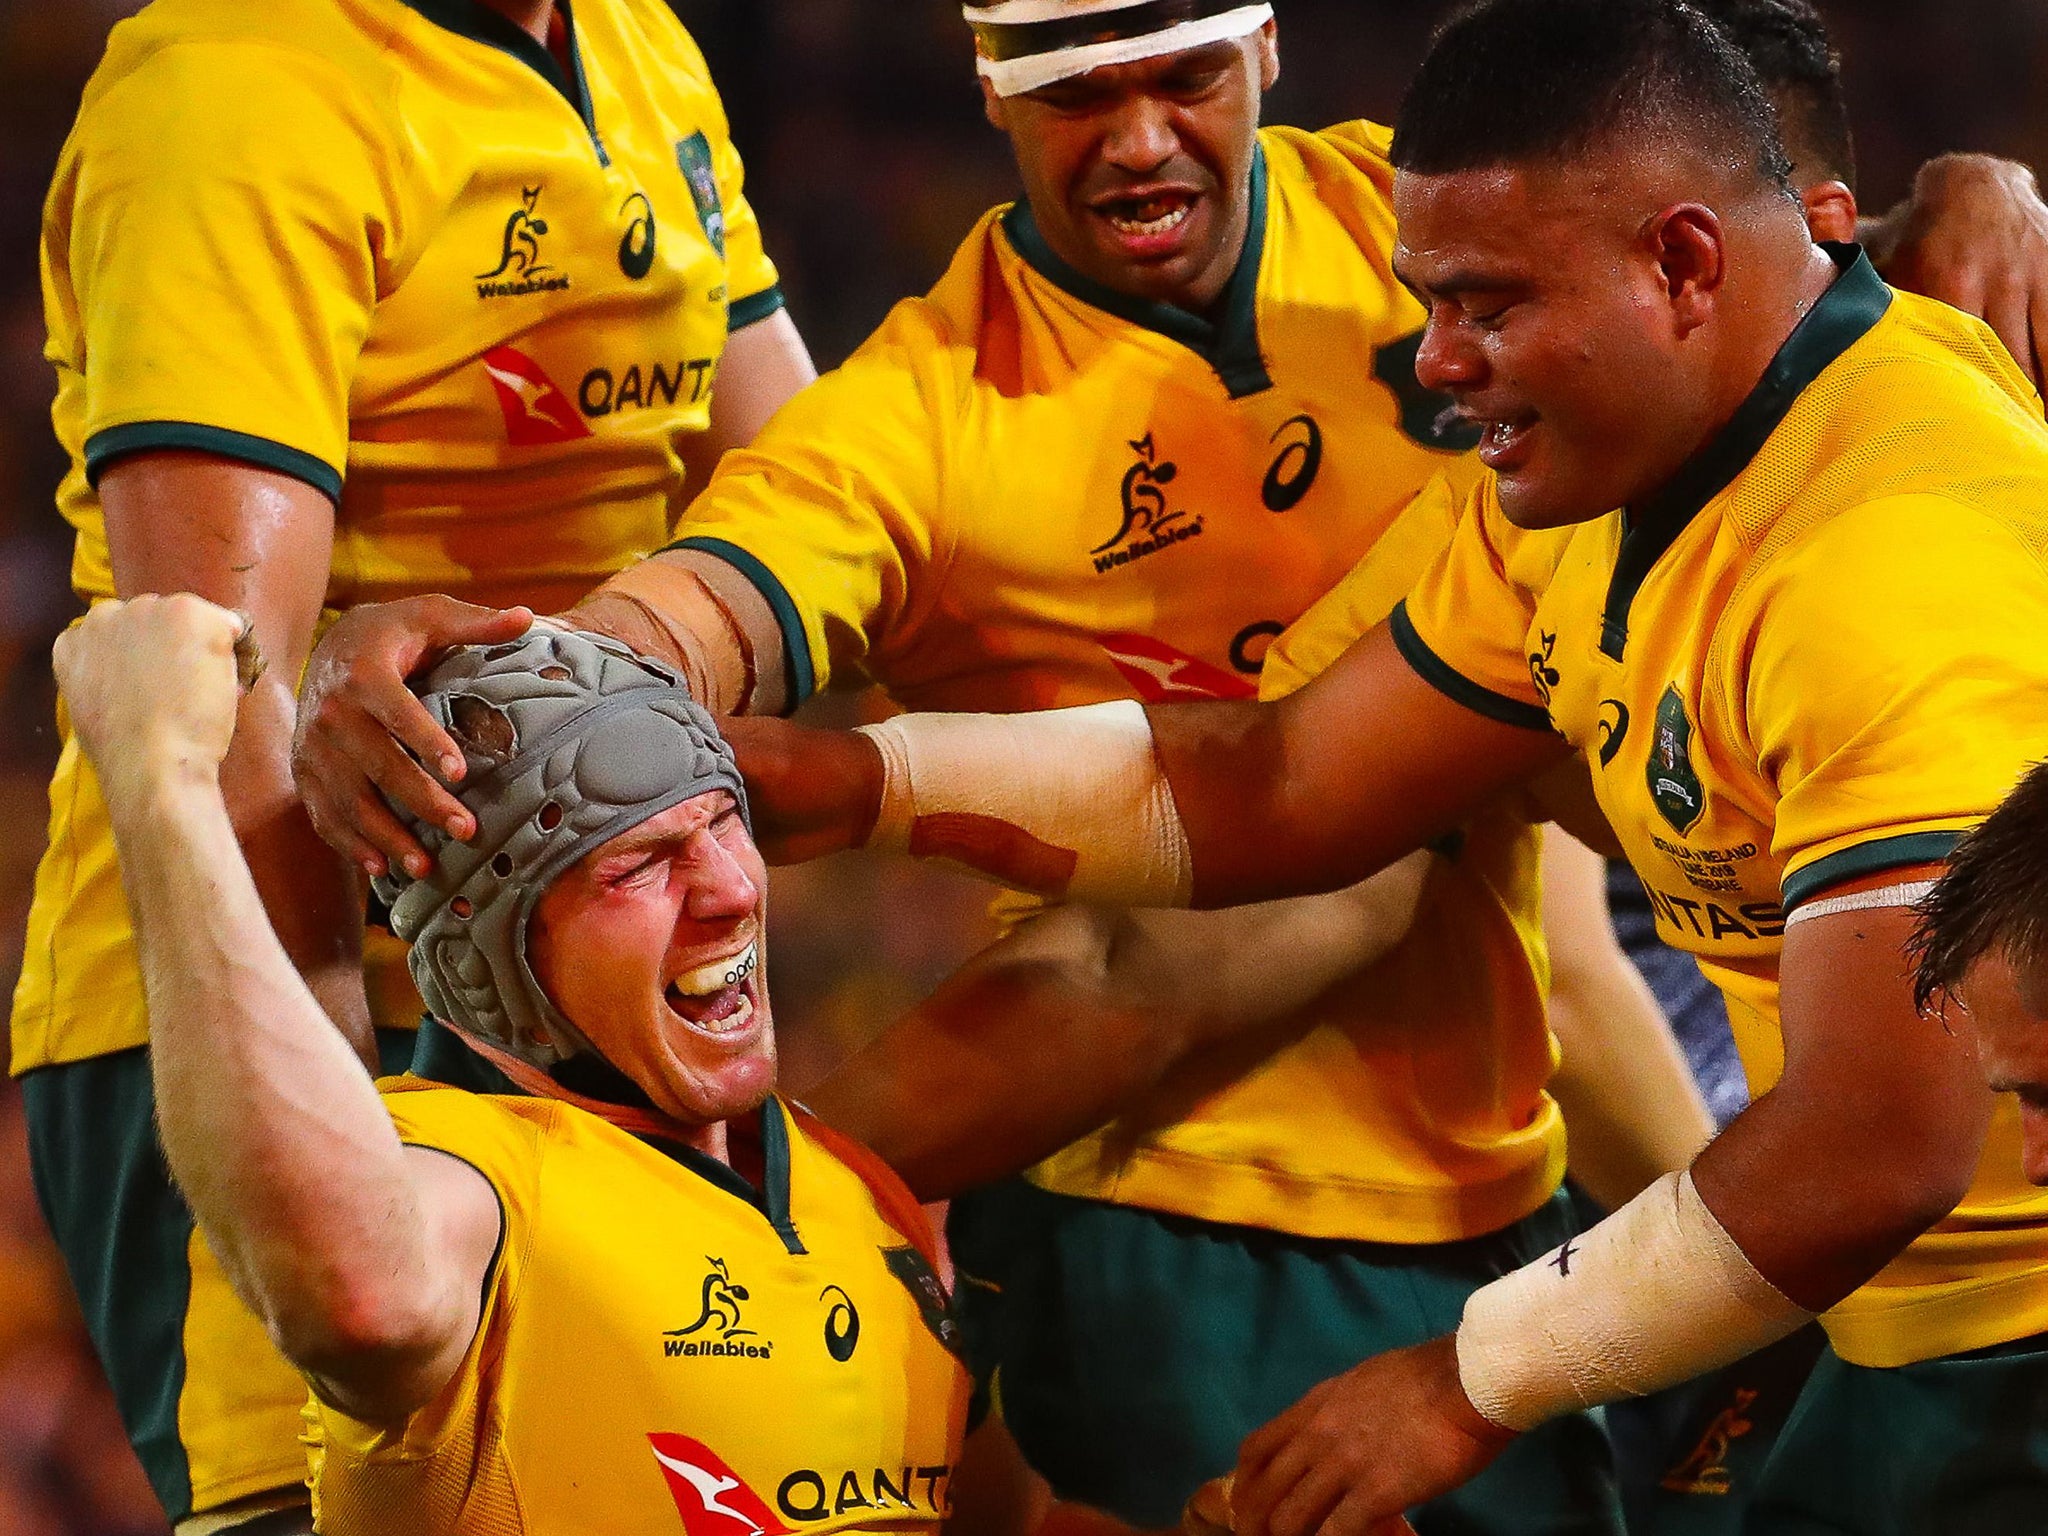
x=1027, y=491
x=663, y=1348
x=1422, y=1077
x=1817, y=655
x=398, y=252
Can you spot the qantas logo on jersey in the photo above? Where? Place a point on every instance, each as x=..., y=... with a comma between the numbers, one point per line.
x=535, y=410
x=520, y=269
x=714, y=1500
x=709, y=1495
x=1150, y=522
x=1159, y=674
x=602, y=393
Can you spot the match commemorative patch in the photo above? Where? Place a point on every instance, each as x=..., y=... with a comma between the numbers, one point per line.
x=693, y=159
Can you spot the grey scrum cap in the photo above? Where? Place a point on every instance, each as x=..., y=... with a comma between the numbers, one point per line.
x=570, y=739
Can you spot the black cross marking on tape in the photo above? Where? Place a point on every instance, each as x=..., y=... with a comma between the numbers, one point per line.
x=1563, y=1261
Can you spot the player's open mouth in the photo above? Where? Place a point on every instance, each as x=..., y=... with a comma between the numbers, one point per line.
x=717, y=998
x=1503, y=444
x=1147, y=221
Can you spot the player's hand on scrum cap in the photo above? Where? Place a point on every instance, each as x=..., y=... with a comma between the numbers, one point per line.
x=1975, y=235
x=1362, y=1447
x=151, y=685
x=810, y=792
x=358, y=721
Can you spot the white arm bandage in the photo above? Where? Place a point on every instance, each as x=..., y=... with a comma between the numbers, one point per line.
x=1655, y=1294
x=1068, y=803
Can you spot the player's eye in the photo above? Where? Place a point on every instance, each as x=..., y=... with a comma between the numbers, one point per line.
x=1489, y=316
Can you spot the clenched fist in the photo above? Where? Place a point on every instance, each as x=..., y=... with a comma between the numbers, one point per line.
x=152, y=685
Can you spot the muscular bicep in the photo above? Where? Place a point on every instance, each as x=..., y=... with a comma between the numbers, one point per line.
x=464, y=1230
x=1871, y=1134
x=1363, y=765
x=241, y=536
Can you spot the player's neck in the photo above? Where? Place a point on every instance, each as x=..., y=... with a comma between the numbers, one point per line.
x=532, y=17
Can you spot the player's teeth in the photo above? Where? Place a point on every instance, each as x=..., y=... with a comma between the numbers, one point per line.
x=729, y=972
x=1159, y=226
x=736, y=1020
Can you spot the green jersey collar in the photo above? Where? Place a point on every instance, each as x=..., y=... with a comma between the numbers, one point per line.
x=1853, y=304
x=477, y=21
x=1229, y=344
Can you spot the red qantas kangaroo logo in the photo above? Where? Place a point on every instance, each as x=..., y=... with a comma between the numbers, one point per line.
x=1159, y=674
x=709, y=1495
x=535, y=410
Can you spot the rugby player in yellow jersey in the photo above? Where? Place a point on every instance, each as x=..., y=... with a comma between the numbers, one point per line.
x=582, y=1271
x=1801, y=662
x=347, y=299
x=926, y=516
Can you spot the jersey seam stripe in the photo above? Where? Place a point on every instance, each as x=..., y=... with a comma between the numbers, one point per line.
x=754, y=308
x=800, y=676
x=1871, y=858
x=111, y=443
x=1455, y=685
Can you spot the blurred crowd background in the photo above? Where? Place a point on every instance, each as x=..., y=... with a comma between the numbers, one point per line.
x=867, y=161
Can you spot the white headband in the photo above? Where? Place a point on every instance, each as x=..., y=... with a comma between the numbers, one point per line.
x=1028, y=72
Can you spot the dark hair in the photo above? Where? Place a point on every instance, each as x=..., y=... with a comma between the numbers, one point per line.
x=1993, y=897
x=1787, y=43
x=1512, y=80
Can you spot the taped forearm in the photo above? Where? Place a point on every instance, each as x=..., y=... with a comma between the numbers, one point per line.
x=1068, y=803
x=1656, y=1294
x=702, y=617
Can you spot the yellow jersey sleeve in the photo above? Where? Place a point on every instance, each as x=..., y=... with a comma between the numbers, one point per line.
x=1367, y=594
x=832, y=512
x=1465, y=625
x=230, y=224
x=505, y=1148
x=752, y=285
x=1896, y=685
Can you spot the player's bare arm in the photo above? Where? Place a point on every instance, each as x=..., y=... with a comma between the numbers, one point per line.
x=1634, y=1110
x=1868, y=1139
x=362, y=735
x=1048, y=1033
x=258, y=542
x=364, y=1259
x=1207, y=804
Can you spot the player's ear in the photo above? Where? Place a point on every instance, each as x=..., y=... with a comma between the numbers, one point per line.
x=1688, y=245
x=992, y=105
x=1269, y=55
x=1830, y=210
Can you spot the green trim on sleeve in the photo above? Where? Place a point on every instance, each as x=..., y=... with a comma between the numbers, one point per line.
x=103, y=448
x=1455, y=685
x=800, y=675
x=744, y=312
x=1867, y=859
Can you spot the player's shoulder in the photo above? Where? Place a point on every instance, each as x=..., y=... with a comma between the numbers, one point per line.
x=1343, y=165
x=179, y=47
x=942, y=335
x=654, y=25
x=504, y=1136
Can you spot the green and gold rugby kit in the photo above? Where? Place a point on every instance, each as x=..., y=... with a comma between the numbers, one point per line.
x=473, y=289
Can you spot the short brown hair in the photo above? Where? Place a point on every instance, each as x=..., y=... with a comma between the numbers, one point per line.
x=1992, y=897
